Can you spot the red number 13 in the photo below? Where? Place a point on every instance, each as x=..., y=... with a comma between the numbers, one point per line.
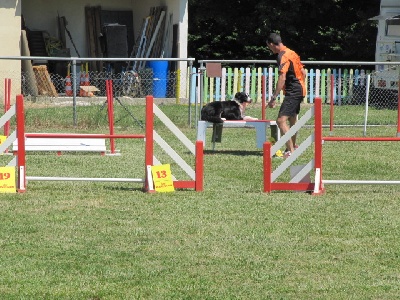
x=161, y=174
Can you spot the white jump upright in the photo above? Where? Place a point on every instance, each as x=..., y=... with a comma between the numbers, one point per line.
x=297, y=183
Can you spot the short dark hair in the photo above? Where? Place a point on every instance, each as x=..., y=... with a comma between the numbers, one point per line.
x=274, y=38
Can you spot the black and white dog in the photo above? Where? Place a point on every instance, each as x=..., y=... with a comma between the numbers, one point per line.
x=218, y=111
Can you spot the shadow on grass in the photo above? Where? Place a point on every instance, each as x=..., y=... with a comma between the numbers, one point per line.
x=128, y=189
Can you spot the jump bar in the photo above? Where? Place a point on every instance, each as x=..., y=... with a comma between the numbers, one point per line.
x=360, y=182
x=89, y=136
x=360, y=139
x=37, y=178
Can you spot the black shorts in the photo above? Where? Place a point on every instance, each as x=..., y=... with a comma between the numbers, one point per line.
x=290, y=106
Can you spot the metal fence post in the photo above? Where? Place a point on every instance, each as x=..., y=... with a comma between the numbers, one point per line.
x=74, y=89
x=201, y=70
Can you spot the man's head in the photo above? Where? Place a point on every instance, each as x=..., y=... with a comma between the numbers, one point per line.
x=273, y=42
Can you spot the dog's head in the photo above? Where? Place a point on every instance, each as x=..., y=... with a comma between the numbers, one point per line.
x=242, y=97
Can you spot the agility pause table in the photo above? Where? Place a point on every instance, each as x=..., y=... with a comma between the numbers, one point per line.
x=260, y=126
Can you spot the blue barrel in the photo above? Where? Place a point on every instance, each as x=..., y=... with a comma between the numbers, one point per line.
x=160, y=74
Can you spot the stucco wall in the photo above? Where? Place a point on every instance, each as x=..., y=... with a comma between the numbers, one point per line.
x=10, y=32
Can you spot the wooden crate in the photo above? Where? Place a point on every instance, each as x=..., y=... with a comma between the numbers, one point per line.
x=44, y=84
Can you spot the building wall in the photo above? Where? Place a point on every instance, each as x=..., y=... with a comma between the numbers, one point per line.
x=10, y=32
x=385, y=45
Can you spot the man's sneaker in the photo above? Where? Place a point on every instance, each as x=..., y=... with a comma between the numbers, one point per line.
x=287, y=154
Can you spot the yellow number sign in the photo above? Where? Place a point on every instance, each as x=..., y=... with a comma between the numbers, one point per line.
x=162, y=178
x=7, y=180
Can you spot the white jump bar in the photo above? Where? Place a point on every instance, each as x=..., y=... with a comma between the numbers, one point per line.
x=139, y=180
x=360, y=182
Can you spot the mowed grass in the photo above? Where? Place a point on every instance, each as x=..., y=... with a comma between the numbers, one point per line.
x=85, y=240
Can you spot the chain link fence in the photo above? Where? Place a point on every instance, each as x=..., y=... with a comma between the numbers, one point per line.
x=55, y=78
x=377, y=88
x=375, y=85
x=131, y=84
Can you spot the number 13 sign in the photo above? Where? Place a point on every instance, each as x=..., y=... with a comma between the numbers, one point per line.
x=162, y=178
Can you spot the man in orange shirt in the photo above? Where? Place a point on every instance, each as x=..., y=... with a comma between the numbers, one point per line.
x=291, y=81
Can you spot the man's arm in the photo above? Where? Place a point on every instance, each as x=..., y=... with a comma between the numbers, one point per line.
x=303, y=71
x=279, y=86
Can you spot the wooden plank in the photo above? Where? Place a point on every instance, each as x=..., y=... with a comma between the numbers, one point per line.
x=27, y=65
x=98, y=32
x=155, y=33
x=61, y=31
x=90, y=36
x=89, y=88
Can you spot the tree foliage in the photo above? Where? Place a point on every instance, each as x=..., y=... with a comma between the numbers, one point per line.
x=316, y=29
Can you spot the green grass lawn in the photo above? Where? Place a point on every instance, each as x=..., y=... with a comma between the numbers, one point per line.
x=80, y=240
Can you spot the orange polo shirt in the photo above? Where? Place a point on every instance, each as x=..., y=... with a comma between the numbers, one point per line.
x=289, y=63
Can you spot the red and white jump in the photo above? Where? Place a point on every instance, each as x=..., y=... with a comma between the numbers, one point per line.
x=316, y=164
x=149, y=137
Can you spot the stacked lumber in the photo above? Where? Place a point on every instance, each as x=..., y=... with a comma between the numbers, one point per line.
x=150, y=41
x=157, y=13
x=44, y=85
x=93, y=32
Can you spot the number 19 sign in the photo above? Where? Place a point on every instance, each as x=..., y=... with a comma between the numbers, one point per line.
x=162, y=178
x=7, y=180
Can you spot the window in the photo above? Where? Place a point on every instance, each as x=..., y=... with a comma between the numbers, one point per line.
x=393, y=26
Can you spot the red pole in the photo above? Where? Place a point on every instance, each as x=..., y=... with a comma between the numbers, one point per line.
x=110, y=103
x=149, y=146
x=199, y=169
x=267, y=167
x=21, y=164
x=331, y=104
x=263, y=97
x=398, y=111
x=318, y=142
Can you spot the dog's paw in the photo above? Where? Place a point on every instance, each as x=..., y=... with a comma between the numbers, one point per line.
x=223, y=119
x=248, y=118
